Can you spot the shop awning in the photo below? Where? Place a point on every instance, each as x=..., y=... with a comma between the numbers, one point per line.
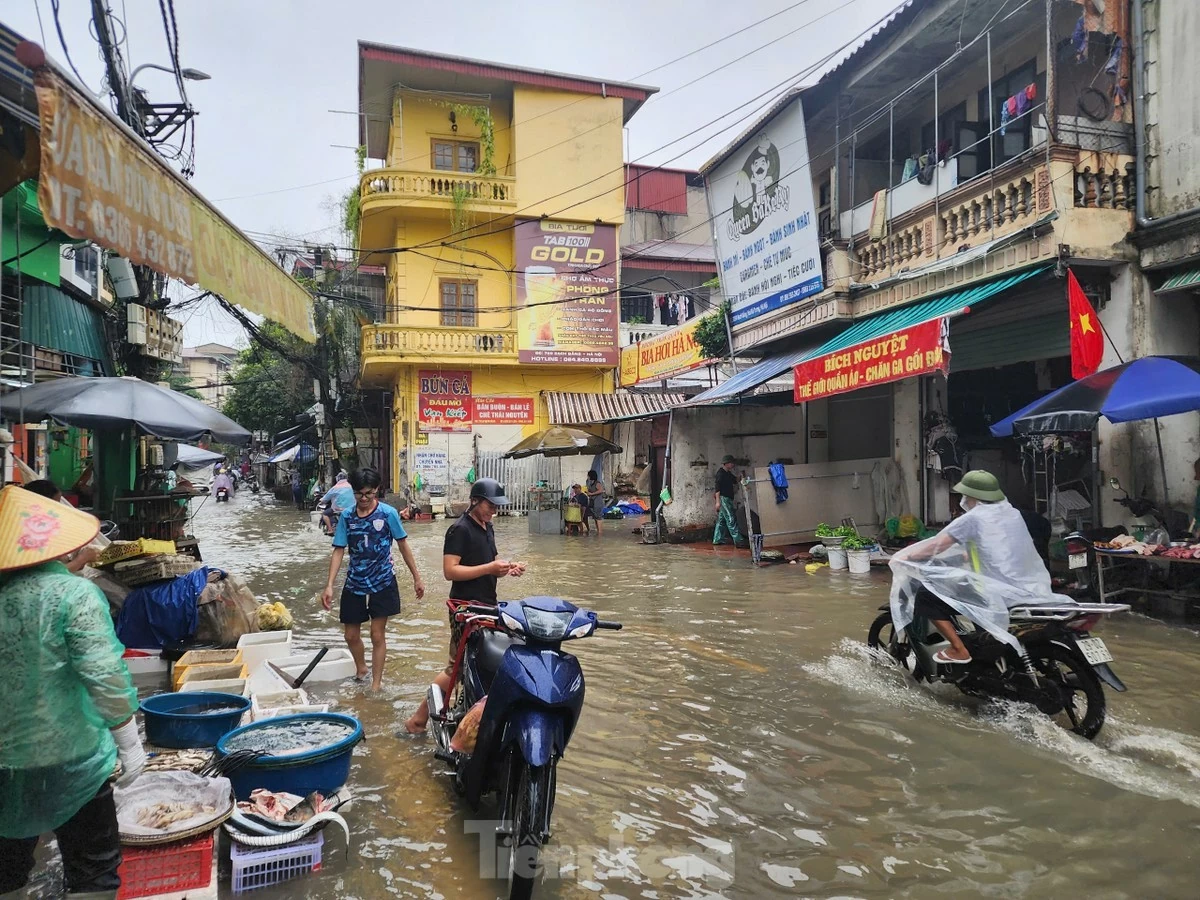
x=596, y=409
x=1188, y=280
x=864, y=330
x=52, y=319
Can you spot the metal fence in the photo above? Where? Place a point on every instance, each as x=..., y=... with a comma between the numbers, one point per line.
x=517, y=476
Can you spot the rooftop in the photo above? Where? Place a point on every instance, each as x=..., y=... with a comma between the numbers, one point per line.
x=381, y=68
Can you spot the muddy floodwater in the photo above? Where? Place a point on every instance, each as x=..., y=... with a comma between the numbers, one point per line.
x=736, y=741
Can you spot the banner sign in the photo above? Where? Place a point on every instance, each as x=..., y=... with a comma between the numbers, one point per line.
x=670, y=353
x=629, y=366
x=503, y=410
x=434, y=465
x=444, y=401
x=568, y=309
x=100, y=183
x=919, y=350
x=761, y=202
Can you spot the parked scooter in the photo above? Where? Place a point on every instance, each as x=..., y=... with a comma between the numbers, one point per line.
x=252, y=483
x=512, y=655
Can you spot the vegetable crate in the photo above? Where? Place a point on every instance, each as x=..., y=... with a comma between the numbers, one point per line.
x=121, y=550
x=263, y=867
x=149, y=871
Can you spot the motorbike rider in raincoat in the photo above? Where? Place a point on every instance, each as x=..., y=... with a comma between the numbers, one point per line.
x=980, y=565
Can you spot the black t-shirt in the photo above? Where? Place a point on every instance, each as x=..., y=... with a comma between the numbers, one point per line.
x=726, y=483
x=475, y=546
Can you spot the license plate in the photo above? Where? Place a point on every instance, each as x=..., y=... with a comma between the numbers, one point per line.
x=1077, y=561
x=1094, y=651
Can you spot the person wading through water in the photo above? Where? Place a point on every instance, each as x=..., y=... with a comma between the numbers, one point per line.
x=470, y=564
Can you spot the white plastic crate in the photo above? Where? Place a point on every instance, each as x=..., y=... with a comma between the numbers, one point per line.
x=259, y=646
x=255, y=868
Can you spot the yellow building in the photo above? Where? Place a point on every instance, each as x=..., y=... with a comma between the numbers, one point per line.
x=496, y=212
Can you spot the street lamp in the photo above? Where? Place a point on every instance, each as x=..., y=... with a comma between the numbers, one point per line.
x=189, y=74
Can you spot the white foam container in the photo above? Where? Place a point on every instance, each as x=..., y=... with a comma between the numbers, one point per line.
x=337, y=665
x=259, y=646
x=293, y=710
x=239, y=686
x=146, y=665
x=264, y=704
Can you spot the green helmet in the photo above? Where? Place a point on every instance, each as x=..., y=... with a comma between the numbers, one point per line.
x=981, y=485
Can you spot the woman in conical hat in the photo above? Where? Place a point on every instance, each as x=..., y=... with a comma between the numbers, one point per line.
x=71, y=698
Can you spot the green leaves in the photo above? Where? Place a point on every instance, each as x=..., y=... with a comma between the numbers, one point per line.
x=711, y=334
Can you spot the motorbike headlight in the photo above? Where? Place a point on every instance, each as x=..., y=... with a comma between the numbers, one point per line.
x=546, y=626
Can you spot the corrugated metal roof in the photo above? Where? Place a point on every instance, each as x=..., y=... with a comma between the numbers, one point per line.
x=16, y=81
x=594, y=409
x=1184, y=281
x=659, y=190
x=863, y=330
x=56, y=321
x=651, y=254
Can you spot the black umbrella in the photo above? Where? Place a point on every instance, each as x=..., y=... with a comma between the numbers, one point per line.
x=562, y=441
x=107, y=403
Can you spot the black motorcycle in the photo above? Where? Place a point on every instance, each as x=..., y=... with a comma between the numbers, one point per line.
x=1062, y=672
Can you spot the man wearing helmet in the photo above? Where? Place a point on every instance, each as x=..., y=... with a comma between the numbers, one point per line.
x=470, y=564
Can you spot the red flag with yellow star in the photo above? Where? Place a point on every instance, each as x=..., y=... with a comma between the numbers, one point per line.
x=1087, y=342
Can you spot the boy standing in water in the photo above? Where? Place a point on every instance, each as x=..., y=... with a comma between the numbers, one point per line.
x=371, y=592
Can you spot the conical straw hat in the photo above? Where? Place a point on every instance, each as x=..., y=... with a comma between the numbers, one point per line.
x=35, y=529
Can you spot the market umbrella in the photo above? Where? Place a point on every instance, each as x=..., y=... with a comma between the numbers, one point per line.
x=1146, y=388
x=190, y=457
x=561, y=441
x=106, y=403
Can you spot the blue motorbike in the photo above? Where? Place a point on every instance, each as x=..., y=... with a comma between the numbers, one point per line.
x=511, y=654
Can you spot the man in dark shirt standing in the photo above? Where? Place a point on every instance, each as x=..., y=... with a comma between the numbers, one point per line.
x=470, y=564
x=726, y=490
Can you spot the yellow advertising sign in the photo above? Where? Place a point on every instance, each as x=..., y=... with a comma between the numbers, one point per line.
x=668, y=354
x=629, y=366
x=98, y=182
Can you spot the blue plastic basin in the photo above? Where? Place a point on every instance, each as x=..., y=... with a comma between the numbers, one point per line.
x=174, y=721
x=324, y=769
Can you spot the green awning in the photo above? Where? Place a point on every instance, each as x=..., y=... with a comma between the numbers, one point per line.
x=898, y=319
x=1188, y=280
x=54, y=320
x=38, y=255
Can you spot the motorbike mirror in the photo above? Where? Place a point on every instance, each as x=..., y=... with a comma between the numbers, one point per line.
x=1115, y=483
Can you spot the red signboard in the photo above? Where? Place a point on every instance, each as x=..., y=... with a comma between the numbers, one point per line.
x=503, y=410
x=919, y=350
x=445, y=402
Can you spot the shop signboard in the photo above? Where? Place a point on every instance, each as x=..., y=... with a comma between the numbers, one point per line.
x=670, y=353
x=568, y=308
x=761, y=201
x=434, y=465
x=100, y=182
x=444, y=401
x=503, y=410
x=919, y=350
x=629, y=366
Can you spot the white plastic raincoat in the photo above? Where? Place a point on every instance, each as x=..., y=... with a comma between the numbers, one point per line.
x=982, y=564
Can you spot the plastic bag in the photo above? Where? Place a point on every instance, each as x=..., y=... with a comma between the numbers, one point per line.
x=274, y=617
x=172, y=795
x=909, y=526
x=228, y=609
x=468, y=730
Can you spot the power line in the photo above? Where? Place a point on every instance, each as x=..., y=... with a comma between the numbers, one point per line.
x=62, y=40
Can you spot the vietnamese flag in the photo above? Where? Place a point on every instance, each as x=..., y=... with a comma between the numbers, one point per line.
x=1087, y=343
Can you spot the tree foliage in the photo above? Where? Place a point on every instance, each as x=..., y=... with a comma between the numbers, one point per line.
x=271, y=388
x=711, y=335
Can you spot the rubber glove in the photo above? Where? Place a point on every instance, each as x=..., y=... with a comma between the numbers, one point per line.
x=130, y=751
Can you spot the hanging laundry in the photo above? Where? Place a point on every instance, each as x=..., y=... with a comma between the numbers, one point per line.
x=1005, y=116
x=778, y=480
x=926, y=165
x=659, y=314
x=681, y=308
x=1031, y=92
x=910, y=168
x=1114, y=58
x=1022, y=103
x=943, y=148
x=1119, y=98
x=691, y=307
x=671, y=311
x=1079, y=40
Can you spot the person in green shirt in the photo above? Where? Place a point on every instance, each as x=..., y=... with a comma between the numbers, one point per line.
x=70, y=702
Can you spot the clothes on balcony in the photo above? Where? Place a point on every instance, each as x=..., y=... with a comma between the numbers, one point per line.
x=1005, y=116
x=879, y=215
x=1079, y=39
x=925, y=166
x=910, y=169
x=1114, y=58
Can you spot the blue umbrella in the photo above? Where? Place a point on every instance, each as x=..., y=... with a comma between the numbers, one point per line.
x=1146, y=388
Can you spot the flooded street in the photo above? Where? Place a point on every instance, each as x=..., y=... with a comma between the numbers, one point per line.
x=736, y=741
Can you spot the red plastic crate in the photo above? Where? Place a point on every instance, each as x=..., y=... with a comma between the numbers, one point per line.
x=146, y=871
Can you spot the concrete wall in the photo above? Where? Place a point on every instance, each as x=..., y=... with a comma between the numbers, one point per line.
x=647, y=225
x=424, y=117
x=701, y=437
x=1143, y=324
x=1172, y=74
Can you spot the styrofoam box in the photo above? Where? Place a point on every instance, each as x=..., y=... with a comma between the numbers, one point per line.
x=240, y=686
x=259, y=646
x=146, y=665
x=262, y=702
x=293, y=710
x=337, y=665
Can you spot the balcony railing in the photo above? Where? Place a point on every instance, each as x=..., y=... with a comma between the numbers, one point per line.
x=394, y=184
x=402, y=340
x=631, y=333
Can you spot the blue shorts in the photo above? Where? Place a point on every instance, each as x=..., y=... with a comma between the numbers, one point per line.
x=358, y=608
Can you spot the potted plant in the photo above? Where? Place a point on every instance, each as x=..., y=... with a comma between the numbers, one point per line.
x=829, y=535
x=858, y=554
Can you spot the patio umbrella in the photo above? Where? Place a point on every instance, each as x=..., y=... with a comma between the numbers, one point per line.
x=1146, y=388
x=190, y=457
x=107, y=403
x=561, y=441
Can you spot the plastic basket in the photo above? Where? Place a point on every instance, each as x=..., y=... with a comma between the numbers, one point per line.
x=146, y=871
x=255, y=868
x=121, y=550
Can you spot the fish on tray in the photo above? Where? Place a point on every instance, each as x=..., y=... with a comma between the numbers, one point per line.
x=283, y=807
x=161, y=816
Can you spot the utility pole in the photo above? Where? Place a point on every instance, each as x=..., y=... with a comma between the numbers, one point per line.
x=112, y=64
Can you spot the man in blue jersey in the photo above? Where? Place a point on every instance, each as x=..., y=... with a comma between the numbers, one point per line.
x=370, y=593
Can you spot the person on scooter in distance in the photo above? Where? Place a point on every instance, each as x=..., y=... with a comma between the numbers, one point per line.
x=470, y=564
x=994, y=543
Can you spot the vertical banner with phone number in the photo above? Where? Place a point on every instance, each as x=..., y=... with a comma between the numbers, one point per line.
x=568, y=308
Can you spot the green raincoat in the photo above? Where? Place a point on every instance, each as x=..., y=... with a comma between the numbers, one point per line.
x=65, y=686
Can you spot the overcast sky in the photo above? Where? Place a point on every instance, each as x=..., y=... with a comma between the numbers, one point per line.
x=265, y=129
